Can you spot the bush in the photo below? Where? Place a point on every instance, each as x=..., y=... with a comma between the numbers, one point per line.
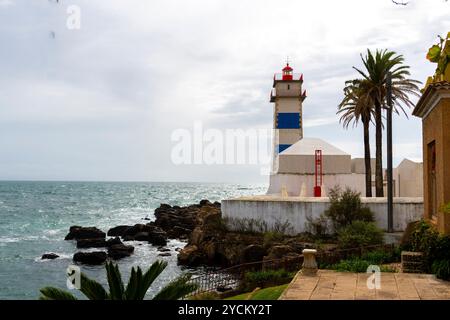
x=346, y=207
x=266, y=278
x=359, y=234
x=423, y=237
x=435, y=247
x=382, y=256
x=442, y=269
x=272, y=237
x=357, y=265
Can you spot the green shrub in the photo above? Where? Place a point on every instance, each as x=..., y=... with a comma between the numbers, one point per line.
x=346, y=207
x=357, y=265
x=442, y=269
x=424, y=237
x=382, y=256
x=435, y=247
x=272, y=237
x=266, y=278
x=359, y=234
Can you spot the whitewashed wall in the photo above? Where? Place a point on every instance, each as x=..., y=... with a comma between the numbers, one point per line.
x=296, y=210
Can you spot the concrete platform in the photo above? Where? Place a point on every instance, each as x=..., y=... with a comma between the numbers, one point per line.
x=332, y=285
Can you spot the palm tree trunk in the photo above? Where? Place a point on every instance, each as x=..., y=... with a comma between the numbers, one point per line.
x=378, y=150
x=367, y=159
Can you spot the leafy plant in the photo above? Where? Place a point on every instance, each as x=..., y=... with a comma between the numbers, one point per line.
x=435, y=247
x=346, y=207
x=357, y=265
x=359, y=234
x=266, y=278
x=137, y=286
x=442, y=269
x=437, y=54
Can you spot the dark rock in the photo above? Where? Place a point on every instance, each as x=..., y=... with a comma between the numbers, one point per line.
x=205, y=203
x=137, y=228
x=165, y=254
x=179, y=232
x=141, y=236
x=165, y=206
x=162, y=249
x=113, y=241
x=91, y=243
x=77, y=232
x=253, y=253
x=97, y=243
x=190, y=255
x=118, y=231
x=158, y=238
x=93, y=258
x=119, y=251
x=281, y=251
x=128, y=238
x=49, y=256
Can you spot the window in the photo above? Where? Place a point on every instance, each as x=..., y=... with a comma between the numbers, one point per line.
x=289, y=86
x=432, y=192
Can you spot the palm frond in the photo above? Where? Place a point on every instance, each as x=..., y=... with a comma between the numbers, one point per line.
x=116, y=287
x=92, y=289
x=177, y=289
x=51, y=293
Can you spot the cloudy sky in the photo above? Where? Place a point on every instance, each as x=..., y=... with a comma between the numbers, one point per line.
x=101, y=102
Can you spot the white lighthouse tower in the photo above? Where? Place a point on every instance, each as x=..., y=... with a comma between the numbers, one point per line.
x=287, y=97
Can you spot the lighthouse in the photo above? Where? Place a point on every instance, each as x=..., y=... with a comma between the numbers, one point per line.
x=287, y=96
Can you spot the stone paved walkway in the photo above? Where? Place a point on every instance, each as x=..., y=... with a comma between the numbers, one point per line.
x=332, y=285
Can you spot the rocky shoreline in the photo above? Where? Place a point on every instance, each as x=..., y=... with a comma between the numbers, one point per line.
x=209, y=242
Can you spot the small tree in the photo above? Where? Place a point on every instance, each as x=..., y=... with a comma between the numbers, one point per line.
x=136, y=288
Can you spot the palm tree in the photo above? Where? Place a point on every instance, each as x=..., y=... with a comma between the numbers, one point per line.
x=136, y=288
x=355, y=106
x=377, y=67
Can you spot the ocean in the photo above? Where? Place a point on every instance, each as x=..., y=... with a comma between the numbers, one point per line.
x=36, y=216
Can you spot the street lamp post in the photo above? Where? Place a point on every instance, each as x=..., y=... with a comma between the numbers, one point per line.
x=389, y=152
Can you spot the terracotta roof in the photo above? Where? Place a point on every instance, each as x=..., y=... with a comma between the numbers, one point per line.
x=423, y=103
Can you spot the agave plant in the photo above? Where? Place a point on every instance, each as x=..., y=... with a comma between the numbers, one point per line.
x=136, y=288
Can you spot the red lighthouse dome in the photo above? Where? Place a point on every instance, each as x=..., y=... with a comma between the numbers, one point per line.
x=287, y=72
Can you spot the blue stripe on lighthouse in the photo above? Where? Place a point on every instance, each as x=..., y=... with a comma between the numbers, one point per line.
x=282, y=147
x=288, y=120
